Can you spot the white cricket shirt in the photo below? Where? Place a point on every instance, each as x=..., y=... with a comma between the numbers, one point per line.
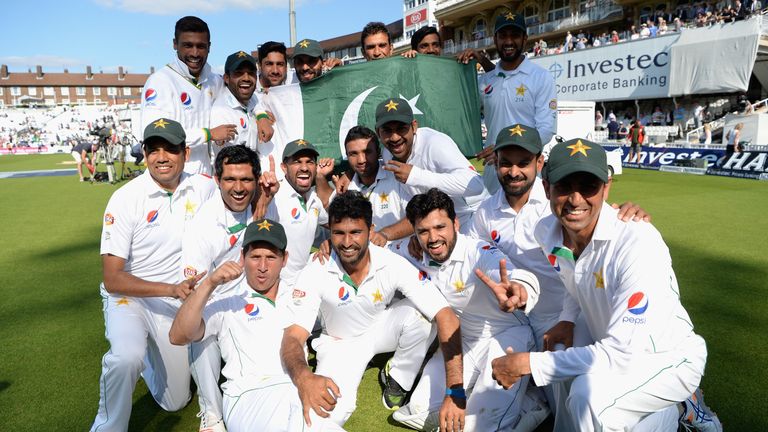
x=228, y=110
x=348, y=310
x=624, y=285
x=172, y=93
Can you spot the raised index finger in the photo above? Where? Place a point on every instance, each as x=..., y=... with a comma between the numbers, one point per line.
x=498, y=291
x=271, y=164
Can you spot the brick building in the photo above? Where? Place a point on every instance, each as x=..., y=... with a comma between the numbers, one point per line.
x=41, y=88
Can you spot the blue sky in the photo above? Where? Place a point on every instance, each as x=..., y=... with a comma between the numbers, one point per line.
x=137, y=34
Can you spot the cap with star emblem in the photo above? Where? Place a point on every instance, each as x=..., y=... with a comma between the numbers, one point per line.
x=165, y=129
x=297, y=146
x=235, y=60
x=308, y=47
x=576, y=155
x=507, y=19
x=265, y=230
x=393, y=109
x=519, y=135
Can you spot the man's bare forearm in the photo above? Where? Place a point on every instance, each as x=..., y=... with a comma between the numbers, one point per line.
x=449, y=334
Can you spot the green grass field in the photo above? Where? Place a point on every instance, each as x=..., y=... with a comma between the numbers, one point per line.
x=52, y=330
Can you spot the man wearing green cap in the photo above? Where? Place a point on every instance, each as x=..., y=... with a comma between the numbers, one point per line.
x=258, y=394
x=238, y=104
x=517, y=91
x=644, y=357
x=422, y=158
x=144, y=224
x=298, y=205
x=308, y=62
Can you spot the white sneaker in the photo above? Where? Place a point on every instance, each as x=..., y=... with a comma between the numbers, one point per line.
x=697, y=416
x=421, y=421
x=211, y=423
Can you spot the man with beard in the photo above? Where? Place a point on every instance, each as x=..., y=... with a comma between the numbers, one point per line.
x=184, y=90
x=352, y=291
x=425, y=40
x=273, y=66
x=144, y=224
x=308, y=62
x=422, y=158
x=259, y=395
x=238, y=104
x=297, y=205
x=375, y=40
x=516, y=91
x=461, y=267
x=643, y=359
x=378, y=185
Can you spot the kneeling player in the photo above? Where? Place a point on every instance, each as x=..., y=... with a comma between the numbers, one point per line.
x=645, y=357
x=451, y=260
x=248, y=324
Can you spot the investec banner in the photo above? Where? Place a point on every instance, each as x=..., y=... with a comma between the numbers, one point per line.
x=634, y=70
x=656, y=157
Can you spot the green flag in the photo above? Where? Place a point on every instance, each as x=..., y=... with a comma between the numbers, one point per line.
x=442, y=93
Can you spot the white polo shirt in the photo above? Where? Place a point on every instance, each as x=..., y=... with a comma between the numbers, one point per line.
x=475, y=303
x=350, y=310
x=300, y=220
x=525, y=95
x=624, y=285
x=437, y=162
x=215, y=237
x=386, y=195
x=228, y=110
x=249, y=329
x=144, y=224
x=172, y=93
x=512, y=232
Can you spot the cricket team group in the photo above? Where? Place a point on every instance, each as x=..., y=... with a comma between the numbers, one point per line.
x=505, y=298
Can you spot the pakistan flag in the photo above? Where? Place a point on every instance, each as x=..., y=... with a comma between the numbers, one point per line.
x=441, y=92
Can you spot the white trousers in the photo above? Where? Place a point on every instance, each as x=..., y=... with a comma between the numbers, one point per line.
x=400, y=328
x=137, y=331
x=645, y=398
x=489, y=406
x=273, y=406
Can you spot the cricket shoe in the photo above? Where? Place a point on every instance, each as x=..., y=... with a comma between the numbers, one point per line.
x=697, y=416
x=393, y=396
x=211, y=423
x=421, y=421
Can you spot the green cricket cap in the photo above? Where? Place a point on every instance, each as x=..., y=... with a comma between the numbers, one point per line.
x=235, y=60
x=508, y=19
x=576, y=155
x=166, y=129
x=519, y=135
x=265, y=230
x=309, y=47
x=393, y=109
x=297, y=146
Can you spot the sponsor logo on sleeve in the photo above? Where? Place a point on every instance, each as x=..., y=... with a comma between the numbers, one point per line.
x=108, y=219
x=637, y=305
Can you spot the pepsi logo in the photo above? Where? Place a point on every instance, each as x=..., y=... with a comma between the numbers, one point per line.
x=423, y=276
x=252, y=309
x=186, y=99
x=638, y=303
x=488, y=89
x=152, y=216
x=553, y=260
x=343, y=294
x=295, y=213
x=495, y=236
x=150, y=95
x=242, y=123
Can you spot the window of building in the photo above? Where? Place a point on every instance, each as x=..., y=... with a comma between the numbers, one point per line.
x=646, y=13
x=459, y=36
x=410, y=4
x=65, y=101
x=48, y=91
x=478, y=32
x=112, y=91
x=32, y=91
x=97, y=91
x=15, y=91
x=126, y=91
x=2, y=90
x=65, y=91
x=81, y=101
x=560, y=9
x=97, y=101
x=531, y=13
x=80, y=92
